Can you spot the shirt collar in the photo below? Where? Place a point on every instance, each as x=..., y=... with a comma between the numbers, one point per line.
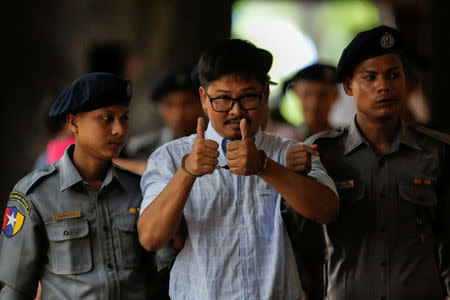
x=406, y=137
x=70, y=175
x=356, y=138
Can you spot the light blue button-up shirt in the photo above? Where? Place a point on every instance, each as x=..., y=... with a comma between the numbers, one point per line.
x=237, y=245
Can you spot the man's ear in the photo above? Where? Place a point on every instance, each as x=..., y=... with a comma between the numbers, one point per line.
x=347, y=85
x=203, y=99
x=72, y=123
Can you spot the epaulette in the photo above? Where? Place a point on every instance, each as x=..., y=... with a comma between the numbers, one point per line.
x=26, y=183
x=332, y=133
x=438, y=135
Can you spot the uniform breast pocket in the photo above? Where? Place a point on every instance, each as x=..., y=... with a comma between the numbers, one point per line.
x=69, y=247
x=130, y=250
x=416, y=209
x=353, y=216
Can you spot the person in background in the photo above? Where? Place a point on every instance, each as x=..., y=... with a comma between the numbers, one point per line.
x=71, y=225
x=316, y=87
x=179, y=106
x=392, y=236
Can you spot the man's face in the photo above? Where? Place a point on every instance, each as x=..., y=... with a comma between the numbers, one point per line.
x=100, y=133
x=180, y=110
x=227, y=123
x=378, y=86
x=317, y=99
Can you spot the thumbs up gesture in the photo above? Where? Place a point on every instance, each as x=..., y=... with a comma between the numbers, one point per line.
x=203, y=157
x=298, y=158
x=243, y=156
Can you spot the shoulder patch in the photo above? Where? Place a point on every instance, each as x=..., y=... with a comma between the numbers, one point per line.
x=26, y=183
x=12, y=222
x=438, y=135
x=19, y=197
x=333, y=133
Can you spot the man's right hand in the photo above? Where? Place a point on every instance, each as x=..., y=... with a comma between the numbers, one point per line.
x=298, y=158
x=203, y=157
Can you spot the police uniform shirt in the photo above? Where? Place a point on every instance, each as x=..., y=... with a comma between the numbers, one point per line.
x=391, y=238
x=80, y=243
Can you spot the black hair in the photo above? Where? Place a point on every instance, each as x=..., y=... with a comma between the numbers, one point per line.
x=234, y=56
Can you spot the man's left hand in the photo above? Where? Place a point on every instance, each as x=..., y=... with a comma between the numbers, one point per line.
x=243, y=156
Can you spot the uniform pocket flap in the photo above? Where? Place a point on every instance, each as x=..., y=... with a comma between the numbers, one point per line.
x=67, y=230
x=127, y=222
x=422, y=194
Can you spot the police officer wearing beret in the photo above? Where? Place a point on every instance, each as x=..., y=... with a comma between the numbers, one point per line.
x=178, y=102
x=71, y=225
x=316, y=87
x=391, y=237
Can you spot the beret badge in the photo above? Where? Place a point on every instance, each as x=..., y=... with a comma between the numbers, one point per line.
x=387, y=40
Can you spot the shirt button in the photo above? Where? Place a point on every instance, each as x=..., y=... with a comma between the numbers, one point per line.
x=383, y=298
x=383, y=263
x=66, y=232
x=109, y=266
x=382, y=228
x=105, y=228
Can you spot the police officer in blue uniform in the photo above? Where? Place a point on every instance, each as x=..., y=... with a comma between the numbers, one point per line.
x=391, y=238
x=71, y=225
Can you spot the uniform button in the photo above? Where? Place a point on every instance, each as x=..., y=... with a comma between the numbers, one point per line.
x=105, y=228
x=66, y=232
x=109, y=266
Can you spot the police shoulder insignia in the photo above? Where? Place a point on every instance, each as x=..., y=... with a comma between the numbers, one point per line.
x=15, y=196
x=387, y=40
x=13, y=221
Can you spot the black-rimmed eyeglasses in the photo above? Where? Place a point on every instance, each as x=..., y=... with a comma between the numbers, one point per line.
x=225, y=103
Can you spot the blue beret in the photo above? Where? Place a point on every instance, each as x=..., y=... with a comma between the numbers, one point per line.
x=378, y=41
x=176, y=78
x=92, y=91
x=314, y=72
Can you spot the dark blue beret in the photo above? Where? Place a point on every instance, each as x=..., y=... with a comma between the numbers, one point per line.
x=92, y=91
x=175, y=78
x=378, y=41
x=314, y=72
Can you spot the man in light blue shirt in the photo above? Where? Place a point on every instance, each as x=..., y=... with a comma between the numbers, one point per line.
x=227, y=182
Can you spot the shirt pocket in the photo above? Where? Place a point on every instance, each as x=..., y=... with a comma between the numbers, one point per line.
x=130, y=250
x=416, y=209
x=69, y=247
x=352, y=220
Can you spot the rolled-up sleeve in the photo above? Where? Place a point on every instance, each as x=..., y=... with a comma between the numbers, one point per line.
x=318, y=172
x=161, y=166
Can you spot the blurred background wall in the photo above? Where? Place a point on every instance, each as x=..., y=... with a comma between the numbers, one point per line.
x=45, y=46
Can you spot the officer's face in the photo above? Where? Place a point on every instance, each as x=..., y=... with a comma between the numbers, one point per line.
x=100, y=133
x=378, y=86
x=180, y=110
x=317, y=99
x=227, y=123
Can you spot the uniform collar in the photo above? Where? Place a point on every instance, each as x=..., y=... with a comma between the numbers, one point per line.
x=355, y=138
x=406, y=137
x=70, y=176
